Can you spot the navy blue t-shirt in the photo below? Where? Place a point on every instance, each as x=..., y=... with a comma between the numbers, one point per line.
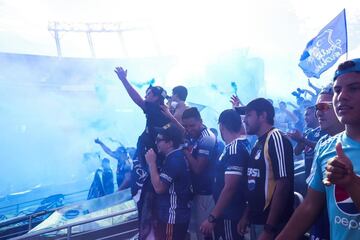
x=173, y=206
x=154, y=118
x=271, y=159
x=206, y=146
x=233, y=161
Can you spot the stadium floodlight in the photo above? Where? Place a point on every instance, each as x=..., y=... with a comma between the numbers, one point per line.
x=88, y=28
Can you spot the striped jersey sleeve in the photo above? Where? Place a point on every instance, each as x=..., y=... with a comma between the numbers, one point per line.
x=206, y=143
x=170, y=170
x=281, y=155
x=237, y=159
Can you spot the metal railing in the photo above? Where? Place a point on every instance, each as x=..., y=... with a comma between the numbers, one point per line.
x=69, y=227
x=15, y=209
x=29, y=218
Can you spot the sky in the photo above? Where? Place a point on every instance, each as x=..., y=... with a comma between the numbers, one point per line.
x=276, y=31
x=204, y=36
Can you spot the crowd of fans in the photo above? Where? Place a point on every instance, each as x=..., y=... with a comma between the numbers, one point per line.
x=188, y=184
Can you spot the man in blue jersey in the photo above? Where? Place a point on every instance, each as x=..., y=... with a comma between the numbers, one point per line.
x=172, y=184
x=202, y=155
x=230, y=180
x=335, y=177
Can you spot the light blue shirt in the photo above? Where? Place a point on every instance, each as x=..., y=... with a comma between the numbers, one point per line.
x=344, y=217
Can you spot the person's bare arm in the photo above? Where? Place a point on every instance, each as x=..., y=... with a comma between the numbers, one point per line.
x=243, y=222
x=292, y=116
x=230, y=187
x=304, y=216
x=299, y=148
x=134, y=95
x=126, y=182
x=317, y=90
x=106, y=148
x=302, y=142
x=297, y=137
x=235, y=101
x=312, y=94
x=159, y=186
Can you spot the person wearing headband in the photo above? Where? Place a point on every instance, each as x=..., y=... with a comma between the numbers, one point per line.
x=335, y=182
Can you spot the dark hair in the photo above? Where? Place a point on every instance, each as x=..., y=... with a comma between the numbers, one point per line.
x=181, y=92
x=192, y=112
x=328, y=89
x=271, y=101
x=171, y=133
x=121, y=149
x=307, y=103
x=159, y=92
x=231, y=120
x=312, y=108
x=261, y=105
x=105, y=160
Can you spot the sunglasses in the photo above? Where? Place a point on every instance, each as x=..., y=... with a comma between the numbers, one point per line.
x=323, y=106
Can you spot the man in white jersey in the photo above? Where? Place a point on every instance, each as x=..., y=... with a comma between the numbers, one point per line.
x=335, y=177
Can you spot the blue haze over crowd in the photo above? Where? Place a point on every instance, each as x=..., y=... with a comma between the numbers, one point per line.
x=53, y=108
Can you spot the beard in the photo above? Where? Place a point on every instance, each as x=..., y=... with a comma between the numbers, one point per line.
x=251, y=130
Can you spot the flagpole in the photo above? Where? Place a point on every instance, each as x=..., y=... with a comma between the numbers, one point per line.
x=347, y=40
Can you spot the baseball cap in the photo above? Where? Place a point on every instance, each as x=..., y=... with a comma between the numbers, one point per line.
x=258, y=105
x=348, y=67
x=170, y=132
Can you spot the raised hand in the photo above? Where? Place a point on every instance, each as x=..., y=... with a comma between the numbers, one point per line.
x=339, y=170
x=121, y=73
x=310, y=83
x=235, y=101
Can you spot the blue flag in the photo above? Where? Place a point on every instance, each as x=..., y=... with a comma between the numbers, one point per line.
x=325, y=49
